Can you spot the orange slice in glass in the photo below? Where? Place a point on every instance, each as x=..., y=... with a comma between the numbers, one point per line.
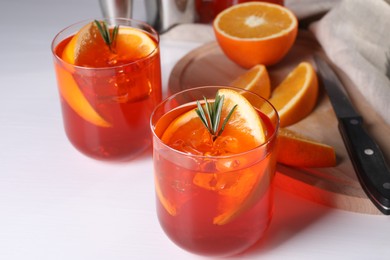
x=245, y=128
x=169, y=206
x=88, y=49
x=237, y=191
x=131, y=44
x=245, y=131
x=71, y=93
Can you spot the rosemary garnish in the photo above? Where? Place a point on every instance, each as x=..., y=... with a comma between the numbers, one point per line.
x=211, y=115
x=109, y=39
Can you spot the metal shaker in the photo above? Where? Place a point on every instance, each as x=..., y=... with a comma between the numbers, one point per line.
x=116, y=8
x=164, y=14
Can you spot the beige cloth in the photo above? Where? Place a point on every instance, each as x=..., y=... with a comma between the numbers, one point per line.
x=355, y=35
x=308, y=8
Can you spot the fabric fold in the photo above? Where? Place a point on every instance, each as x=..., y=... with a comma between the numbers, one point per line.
x=355, y=36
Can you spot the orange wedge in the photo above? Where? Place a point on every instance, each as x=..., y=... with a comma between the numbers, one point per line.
x=297, y=150
x=240, y=189
x=245, y=127
x=256, y=80
x=131, y=44
x=170, y=207
x=297, y=95
x=71, y=93
x=255, y=33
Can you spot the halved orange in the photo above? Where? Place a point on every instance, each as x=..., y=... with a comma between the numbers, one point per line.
x=237, y=189
x=297, y=95
x=256, y=80
x=300, y=151
x=88, y=49
x=255, y=33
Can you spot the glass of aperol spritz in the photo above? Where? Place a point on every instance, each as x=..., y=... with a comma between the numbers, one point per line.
x=109, y=79
x=214, y=191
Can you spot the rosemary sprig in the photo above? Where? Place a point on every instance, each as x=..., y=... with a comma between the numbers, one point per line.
x=210, y=115
x=110, y=40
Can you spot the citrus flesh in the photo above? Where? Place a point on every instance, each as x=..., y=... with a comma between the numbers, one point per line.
x=238, y=190
x=255, y=21
x=244, y=130
x=73, y=96
x=255, y=33
x=296, y=96
x=88, y=49
x=295, y=149
x=169, y=207
x=300, y=151
x=256, y=80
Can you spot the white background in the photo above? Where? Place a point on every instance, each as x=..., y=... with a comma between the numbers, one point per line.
x=58, y=204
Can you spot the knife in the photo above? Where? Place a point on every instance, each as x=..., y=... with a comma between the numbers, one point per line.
x=366, y=156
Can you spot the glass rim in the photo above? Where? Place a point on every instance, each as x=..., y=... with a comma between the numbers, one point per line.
x=255, y=149
x=85, y=21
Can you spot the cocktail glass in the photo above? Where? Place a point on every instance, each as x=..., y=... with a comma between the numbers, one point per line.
x=106, y=110
x=213, y=205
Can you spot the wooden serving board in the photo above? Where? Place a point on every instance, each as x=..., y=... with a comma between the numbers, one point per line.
x=335, y=187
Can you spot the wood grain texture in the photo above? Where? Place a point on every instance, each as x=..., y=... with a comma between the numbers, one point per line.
x=335, y=187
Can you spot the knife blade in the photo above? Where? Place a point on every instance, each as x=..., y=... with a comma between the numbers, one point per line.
x=367, y=158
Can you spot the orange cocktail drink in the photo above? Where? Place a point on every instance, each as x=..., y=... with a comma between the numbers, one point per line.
x=214, y=192
x=109, y=80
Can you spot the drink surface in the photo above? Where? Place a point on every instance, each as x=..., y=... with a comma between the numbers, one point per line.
x=212, y=205
x=120, y=92
x=193, y=137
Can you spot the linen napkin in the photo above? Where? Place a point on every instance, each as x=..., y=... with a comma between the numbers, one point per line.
x=309, y=8
x=190, y=32
x=355, y=35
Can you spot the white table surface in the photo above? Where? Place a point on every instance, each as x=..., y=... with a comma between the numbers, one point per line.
x=58, y=204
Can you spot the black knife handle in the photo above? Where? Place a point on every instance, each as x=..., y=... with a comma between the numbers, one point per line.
x=368, y=161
